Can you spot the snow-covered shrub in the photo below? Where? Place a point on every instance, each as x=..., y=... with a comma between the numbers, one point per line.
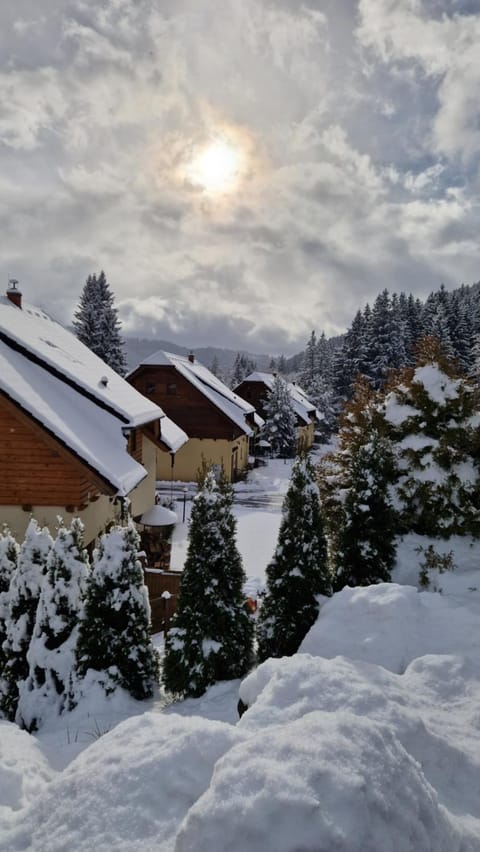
x=298, y=571
x=433, y=561
x=407, y=462
x=211, y=634
x=114, y=633
x=23, y=594
x=324, y=782
x=47, y=691
x=365, y=551
x=431, y=414
x=8, y=563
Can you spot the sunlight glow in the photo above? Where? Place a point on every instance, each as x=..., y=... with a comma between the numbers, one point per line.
x=217, y=168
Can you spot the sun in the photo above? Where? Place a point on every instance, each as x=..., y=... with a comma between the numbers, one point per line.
x=217, y=167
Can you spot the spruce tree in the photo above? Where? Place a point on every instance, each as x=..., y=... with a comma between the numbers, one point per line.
x=97, y=325
x=310, y=369
x=8, y=562
x=436, y=445
x=298, y=572
x=51, y=655
x=114, y=633
x=365, y=551
x=211, y=634
x=23, y=596
x=280, y=420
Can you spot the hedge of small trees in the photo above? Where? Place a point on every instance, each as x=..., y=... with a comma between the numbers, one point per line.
x=66, y=622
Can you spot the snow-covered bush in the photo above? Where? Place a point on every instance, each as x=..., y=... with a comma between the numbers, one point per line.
x=298, y=571
x=114, y=633
x=8, y=563
x=407, y=462
x=365, y=551
x=47, y=691
x=432, y=416
x=211, y=634
x=23, y=594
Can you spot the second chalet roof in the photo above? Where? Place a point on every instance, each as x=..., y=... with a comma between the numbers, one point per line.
x=301, y=404
x=228, y=402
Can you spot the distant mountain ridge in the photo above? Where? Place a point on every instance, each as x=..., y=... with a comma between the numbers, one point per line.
x=138, y=348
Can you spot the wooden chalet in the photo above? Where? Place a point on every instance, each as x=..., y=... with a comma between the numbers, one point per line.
x=257, y=386
x=76, y=439
x=218, y=422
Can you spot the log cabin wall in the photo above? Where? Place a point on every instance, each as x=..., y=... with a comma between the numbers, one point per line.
x=183, y=403
x=256, y=393
x=32, y=471
x=38, y=479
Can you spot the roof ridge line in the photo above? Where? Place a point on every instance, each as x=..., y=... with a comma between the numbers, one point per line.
x=49, y=368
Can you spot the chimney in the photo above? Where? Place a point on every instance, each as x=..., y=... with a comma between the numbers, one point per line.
x=13, y=293
x=191, y=358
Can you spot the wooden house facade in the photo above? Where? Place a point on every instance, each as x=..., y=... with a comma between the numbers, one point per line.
x=75, y=438
x=218, y=422
x=255, y=389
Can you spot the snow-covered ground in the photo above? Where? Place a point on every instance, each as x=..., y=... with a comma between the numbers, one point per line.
x=366, y=741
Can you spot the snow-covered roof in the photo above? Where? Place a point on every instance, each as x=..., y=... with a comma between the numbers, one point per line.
x=43, y=338
x=91, y=432
x=301, y=404
x=228, y=402
x=171, y=434
x=72, y=393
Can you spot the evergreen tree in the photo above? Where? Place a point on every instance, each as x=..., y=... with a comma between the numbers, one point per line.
x=215, y=367
x=23, y=595
x=280, y=419
x=386, y=349
x=436, y=445
x=212, y=632
x=359, y=420
x=365, y=551
x=439, y=328
x=51, y=655
x=310, y=369
x=8, y=562
x=350, y=360
x=114, y=633
x=97, y=325
x=298, y=571
x=242, y=367
x=316, y=378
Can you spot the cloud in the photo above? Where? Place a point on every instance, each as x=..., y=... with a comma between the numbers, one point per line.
x=358, y=169
x=444, y=48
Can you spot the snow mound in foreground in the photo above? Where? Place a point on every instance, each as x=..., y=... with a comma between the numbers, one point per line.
x=129, y=790
x=391, y=625
x=24, y=771
x=322, y=783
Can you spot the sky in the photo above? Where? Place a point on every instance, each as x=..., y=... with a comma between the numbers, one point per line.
x=244, y=171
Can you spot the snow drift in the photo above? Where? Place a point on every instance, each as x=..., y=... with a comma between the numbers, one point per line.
x=368, y=742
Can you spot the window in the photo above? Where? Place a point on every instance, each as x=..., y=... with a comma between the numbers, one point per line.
x=150, y=387
x=172, y=389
